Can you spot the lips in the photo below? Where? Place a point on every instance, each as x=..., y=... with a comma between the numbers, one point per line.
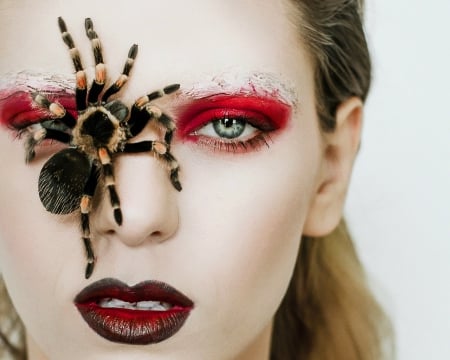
x=147, y=313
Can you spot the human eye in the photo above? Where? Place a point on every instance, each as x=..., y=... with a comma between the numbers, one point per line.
x=233, y=123
x=26, y=121
x=18, y=110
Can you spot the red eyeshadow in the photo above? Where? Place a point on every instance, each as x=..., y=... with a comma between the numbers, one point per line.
x=195, y=114
x=17, y=108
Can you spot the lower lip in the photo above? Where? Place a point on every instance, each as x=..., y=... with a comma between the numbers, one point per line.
x=140, y=327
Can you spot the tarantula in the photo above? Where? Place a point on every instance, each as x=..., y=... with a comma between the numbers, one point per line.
x=68, y=180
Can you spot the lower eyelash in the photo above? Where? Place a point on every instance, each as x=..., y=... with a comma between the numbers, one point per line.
x=253, y=144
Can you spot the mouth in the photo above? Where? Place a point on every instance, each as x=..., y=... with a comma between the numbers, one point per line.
x=146, y=313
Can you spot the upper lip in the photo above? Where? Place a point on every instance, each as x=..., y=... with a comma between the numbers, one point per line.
x=144, y=291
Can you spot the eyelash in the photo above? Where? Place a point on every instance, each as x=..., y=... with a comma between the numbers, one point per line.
x=259, y=116
x=19, y=112
x=254, y=143
x=262, y=116
x=253, y=130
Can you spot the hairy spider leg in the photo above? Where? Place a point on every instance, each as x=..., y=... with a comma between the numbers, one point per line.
x=85, y=208
x=100, y=69
x=161, y=150
x=174, y=168
x=114, y=88
x=57, y=110
x=142, y=112
x=108, y=175
x=36, y=133
x=81, y=82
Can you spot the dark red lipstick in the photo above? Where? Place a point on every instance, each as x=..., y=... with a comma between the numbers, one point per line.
x=143, y=314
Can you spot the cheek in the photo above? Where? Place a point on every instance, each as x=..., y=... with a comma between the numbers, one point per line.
x=247, y=215
x=23, y=221
x=34, y=246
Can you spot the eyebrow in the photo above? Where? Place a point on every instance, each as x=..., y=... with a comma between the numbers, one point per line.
x=36, y=81
x=264, y=84
x=257, y=83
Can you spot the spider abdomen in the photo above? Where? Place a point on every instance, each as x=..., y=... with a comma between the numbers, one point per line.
x=97, y=127
x=62, y=180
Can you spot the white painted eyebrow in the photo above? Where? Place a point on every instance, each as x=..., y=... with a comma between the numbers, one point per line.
x=229, y=83
x=253, y=83
x=32, y=80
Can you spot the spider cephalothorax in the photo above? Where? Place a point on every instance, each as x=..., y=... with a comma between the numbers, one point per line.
x=102, y=128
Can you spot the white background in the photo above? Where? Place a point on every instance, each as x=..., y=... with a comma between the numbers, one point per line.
x=398, y=206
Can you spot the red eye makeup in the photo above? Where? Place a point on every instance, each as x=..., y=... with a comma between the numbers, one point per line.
x=17, y=110
x=232, y=122
x=234, y=111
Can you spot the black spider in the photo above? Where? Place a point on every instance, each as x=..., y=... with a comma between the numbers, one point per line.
x=69, y=178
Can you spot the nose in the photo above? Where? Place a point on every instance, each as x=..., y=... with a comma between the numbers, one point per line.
x=147, y=199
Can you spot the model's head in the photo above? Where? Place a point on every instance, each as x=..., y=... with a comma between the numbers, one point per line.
x=268, y=117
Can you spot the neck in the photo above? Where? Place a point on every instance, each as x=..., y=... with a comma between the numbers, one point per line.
x=259, y=348
x=34, y=352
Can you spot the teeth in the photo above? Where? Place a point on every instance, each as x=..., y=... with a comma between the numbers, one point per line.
x=140, y=305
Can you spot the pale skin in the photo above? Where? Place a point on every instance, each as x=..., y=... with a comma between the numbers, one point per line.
x=229, y=239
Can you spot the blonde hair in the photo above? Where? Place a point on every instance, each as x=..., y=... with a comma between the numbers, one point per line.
x=12, y=335
x=329, y=311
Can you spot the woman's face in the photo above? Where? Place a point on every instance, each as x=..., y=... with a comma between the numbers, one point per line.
x=228, y=241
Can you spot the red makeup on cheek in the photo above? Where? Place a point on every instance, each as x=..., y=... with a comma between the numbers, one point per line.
x=266, y=114
x=18, y=111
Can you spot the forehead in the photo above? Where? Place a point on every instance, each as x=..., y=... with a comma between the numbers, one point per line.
x=178, y=40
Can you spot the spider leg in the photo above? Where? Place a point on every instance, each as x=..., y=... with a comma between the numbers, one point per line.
x=132, y=53
x=37, y=133
x=174, y=168
x=144, y=146
x=142, y=112
x=108, y=174
x=85, y=207
x=162, y=151
x=55, y=109
x=156, y=95
x=81, y=88
x=100, y=69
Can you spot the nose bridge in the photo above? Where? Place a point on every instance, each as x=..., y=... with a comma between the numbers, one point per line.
x=147, y=199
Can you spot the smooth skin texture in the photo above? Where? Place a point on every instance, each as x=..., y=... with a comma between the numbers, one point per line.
x=230, y=239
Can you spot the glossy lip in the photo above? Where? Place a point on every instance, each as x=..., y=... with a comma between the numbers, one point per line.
x=131, y=326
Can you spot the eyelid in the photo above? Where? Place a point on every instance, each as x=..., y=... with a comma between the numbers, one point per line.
x=18, y=111
x=251, y=118
x=267, y=111
x=208, y=130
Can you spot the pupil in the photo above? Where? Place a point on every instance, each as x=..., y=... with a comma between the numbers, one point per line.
x=228, y=122
x=229, y=128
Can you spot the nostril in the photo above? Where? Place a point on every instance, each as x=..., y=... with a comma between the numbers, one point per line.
x=110, y=232
x=156, y=234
